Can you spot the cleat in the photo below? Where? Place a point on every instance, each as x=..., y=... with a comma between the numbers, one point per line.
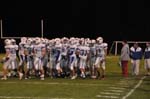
x=29, y=77
x=4, y=78
x=73, y=77
x=93, y=77
x=83, y=76
x=20, y=76
x=42, y=78
x=9, y=74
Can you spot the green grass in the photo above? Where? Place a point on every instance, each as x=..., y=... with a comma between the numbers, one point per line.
x=79, y=88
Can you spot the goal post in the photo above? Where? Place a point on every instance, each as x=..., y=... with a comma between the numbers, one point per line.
x=1, y=27
x=15, y=37
x=117, y=45
x=42, y=28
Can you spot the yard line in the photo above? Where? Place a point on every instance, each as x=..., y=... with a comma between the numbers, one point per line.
x=100, y=96
x=124, y=85
x=113, y=90
x=121, y=83
x=56, y=83
x=108, y=93
x=119, y=88
x=23, y=97
x=135, y=87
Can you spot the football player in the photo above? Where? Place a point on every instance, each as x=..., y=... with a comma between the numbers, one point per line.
x=28, y=51
x=83, y=57
x=39, y=52
x=58, y=51
x=72, y=58
x=7, y=59
x=22, y=57
x=93, y=58
x=101, y=52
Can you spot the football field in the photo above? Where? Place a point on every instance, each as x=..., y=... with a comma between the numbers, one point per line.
x=114, y=86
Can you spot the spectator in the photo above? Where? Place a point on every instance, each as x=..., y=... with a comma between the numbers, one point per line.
x=147, y=58
x=136, y=56
x=124, y=58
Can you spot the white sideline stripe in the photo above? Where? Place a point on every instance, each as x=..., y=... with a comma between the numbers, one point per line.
x=108, y=93
x=100, y=96
x=120, y=88
x=135, y=87
x=113, y=90
x=19, y=97
x=56, y=83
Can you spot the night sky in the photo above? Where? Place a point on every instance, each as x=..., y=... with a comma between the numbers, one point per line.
x=111, y=19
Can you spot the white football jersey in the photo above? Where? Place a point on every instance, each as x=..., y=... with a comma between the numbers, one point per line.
x=38, y=49
x=28, y=49
x=100, y=49
x=72, y=50
x=64, y=49
x=93, y=51
x=7, y=50
x=83, y=50
x=21, y=48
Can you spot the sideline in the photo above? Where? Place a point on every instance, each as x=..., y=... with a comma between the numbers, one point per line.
x=135, y=87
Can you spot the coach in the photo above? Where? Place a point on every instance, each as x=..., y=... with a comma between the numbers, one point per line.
x=125, y=58
x=136, y=56
x=147, y=58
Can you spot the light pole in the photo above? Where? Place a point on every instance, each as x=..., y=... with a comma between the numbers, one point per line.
x=1, y=27
x=42, y=28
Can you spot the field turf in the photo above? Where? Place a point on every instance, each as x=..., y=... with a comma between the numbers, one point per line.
x=114, y=86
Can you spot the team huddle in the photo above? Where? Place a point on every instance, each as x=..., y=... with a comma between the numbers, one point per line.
x=59, y=57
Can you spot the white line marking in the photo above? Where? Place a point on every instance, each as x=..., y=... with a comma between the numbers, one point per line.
x=108, y=93
x=135, y=87
x=56, y=83
x=123, y=83
x=113, y=90
x=100, y=96
x=23, y=97
x=119, y=88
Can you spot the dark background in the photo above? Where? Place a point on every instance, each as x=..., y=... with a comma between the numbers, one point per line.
x=111, y=19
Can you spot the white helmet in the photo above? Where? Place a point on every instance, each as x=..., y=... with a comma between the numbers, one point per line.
x=7, y=42
x=58, y=40
x=100, y=40
x=42, y=40
x=65, y=38
x=29, y=40
x=88, y=41
x=93, y=41
x=13, y=41
x=46, y=40
x=23, y=39
x=72, y=39
x=37, y=40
